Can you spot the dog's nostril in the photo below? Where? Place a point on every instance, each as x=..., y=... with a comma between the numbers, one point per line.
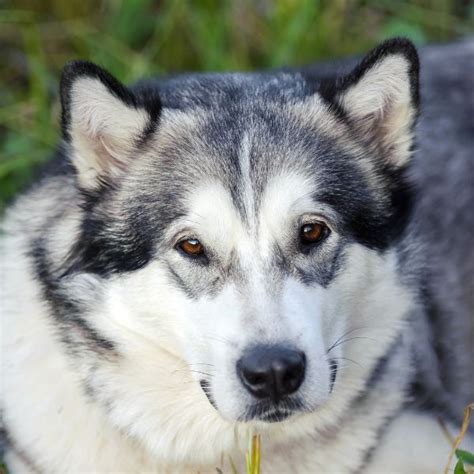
x=272, y=371
x=254, y=379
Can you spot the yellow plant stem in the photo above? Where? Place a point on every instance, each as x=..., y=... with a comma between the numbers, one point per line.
x=460, y=436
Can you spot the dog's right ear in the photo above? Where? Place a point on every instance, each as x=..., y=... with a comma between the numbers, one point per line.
x=103, y=122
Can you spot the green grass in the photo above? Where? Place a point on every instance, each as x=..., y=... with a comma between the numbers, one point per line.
x=137, y=38
x=143, y=37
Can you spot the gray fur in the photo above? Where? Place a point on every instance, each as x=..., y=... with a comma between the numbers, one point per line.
x=77, y=240
x=438, y=249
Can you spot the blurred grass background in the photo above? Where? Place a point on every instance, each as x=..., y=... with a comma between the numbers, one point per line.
x=136, y=38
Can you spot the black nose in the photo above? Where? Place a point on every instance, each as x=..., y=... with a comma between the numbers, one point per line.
x=272, y=371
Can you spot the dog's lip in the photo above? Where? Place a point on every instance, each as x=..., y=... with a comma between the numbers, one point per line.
x=273, y=413
x=333, y=367
x=275, y=416
x=206, y=388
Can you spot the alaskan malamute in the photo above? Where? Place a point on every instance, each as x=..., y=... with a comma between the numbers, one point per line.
x=217, y=255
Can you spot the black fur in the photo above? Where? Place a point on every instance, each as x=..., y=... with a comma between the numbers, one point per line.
x=66, y=312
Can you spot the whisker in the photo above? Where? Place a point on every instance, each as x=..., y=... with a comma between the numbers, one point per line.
x=215, y=337
x=350, y=360
x=359, y=328
x=348, y=340
x=187, y=369
x=341, y=337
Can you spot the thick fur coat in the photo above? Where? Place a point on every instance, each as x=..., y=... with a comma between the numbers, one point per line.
x=188, y=222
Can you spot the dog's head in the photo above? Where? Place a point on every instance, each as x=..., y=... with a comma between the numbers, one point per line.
x=237, y=231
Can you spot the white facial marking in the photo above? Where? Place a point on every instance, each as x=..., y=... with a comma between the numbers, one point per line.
x=256, y=306
x=248, y=191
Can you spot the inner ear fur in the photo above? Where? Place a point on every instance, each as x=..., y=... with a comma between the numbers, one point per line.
x=102, y=121
x=380, y=98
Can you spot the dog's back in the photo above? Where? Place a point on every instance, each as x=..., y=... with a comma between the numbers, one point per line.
x=444, y=172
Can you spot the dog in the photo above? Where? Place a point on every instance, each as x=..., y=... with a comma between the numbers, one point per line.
x=212, y=256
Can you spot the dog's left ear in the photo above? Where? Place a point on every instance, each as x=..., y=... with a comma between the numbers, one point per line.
x=103, y=121
x=381, y=99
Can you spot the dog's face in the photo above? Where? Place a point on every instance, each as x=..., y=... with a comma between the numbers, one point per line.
x=245, y=236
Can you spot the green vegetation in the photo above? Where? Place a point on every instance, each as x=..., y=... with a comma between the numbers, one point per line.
x=137, y=38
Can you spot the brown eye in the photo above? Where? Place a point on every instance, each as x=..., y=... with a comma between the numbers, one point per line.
x=191, y=247
x=312, y=233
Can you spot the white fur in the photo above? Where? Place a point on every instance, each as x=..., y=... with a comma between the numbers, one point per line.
x=381, y=101
x=150, y=392
x=103, y=129
x=144, y=410
x=415, y=443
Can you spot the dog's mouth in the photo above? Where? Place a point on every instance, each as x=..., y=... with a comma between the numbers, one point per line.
x=261, y=411
x=273, y=413
x=275, y=416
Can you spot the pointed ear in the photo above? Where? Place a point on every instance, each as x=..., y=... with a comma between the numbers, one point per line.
x=103, y=122
x=381, y=99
